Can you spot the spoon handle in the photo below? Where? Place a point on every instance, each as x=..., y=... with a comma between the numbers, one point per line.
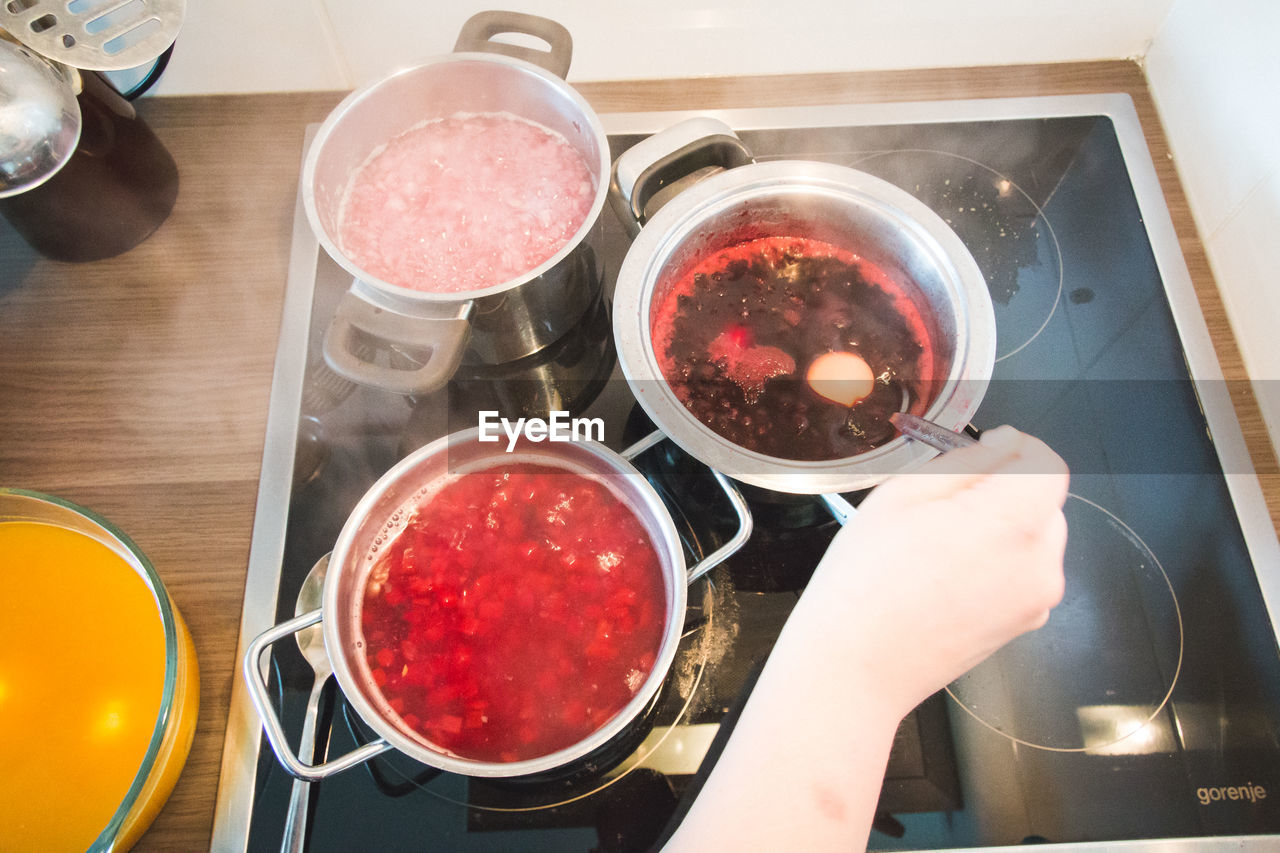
x=936, y=436
x=295, y=832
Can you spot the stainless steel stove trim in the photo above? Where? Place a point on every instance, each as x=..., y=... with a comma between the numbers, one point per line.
x=243, y=737
x=1237, y=843
x=266, y=548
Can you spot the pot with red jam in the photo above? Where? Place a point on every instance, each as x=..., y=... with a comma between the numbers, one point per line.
x=520, y=608
x=499, y=614
x=772, y=317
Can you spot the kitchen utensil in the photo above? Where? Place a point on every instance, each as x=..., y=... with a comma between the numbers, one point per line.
x=350, y=564
x=410, y=341
x=914, y=427
x=88, y=703
x=311, y=644
x=114, y=191
x=872, y=218
x=101, y=36
x=935, y=435
x=39, y=119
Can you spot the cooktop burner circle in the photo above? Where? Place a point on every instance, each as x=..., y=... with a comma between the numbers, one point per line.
x=1096, y=677
x=1001, y=224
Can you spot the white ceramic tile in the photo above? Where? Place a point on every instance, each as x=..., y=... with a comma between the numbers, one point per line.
x=1214, y=69
x=1245, y=256
x=669, y=38
x=252, y=46
x=377, y=38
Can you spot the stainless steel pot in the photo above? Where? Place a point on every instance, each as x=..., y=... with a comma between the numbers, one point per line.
x=408, y=341
x=876, y=220
x=374, y=520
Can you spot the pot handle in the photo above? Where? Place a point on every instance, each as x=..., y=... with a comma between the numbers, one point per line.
x=731, y=492
x=357, y=323
x=271, y=723
x=668, y=162
x=478, y=32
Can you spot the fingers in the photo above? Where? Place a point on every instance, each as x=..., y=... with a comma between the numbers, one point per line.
x=942, y=476
x=1030, y=458
x=1004, y=450
x=1025, y=497
x=1047, y=558
x=1041, y=574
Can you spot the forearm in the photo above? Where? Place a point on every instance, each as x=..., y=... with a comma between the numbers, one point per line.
x=788, y=778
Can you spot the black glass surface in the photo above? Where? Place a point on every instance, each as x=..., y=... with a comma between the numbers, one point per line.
x=1088, y=357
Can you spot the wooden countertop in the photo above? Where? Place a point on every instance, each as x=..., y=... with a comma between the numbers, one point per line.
x=138, y=386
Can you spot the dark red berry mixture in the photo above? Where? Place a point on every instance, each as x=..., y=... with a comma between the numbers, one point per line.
x=736, y=335
x=520, y=609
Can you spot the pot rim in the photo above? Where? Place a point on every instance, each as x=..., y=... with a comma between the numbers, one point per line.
x=349, y=676
x=339, y=113
x=679, y=220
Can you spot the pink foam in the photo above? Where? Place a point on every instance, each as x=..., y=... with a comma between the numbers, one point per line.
x=465, y=202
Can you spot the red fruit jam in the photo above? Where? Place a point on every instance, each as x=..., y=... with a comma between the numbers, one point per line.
x=736, y=334
x=520, y=609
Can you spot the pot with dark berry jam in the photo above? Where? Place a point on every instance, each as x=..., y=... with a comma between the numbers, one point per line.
x=771, y=318
x=737, y=336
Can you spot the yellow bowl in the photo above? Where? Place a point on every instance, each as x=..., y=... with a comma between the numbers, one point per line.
x=99, y=686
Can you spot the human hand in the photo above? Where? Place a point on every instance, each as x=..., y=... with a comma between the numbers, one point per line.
x=944, y=565
x=938, y=569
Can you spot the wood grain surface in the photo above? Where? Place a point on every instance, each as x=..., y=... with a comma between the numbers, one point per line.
x=138, y=385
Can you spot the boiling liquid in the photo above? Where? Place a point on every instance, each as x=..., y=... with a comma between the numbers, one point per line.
x=517, y=613
x=736, y=334
x=465, y=202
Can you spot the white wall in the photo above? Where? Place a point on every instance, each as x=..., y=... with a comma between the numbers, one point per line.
x=255, y=46
x=1214, y=70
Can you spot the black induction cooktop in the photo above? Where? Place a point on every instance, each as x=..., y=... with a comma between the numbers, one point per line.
x=1148, y=709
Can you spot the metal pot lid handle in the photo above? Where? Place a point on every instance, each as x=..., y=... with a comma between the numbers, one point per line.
x=739, y=504
x=258, y=694
x=662, y=165
x=478, y=32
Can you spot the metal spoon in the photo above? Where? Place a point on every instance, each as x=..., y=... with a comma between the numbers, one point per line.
x=935, y=435
x=311, y=644
x=914, y=427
